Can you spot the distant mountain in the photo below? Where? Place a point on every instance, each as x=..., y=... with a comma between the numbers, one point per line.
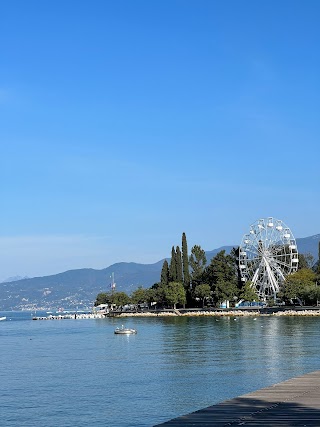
x=79, y=288
x=211, y=254
x=75, y=288
x=14, y=279
x=309, y=245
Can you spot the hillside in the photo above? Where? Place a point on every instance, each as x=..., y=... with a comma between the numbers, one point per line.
x=78, y=288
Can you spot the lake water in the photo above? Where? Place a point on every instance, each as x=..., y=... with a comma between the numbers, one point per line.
x=79, y=373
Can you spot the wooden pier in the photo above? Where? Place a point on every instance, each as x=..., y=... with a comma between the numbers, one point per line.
x=295, y=402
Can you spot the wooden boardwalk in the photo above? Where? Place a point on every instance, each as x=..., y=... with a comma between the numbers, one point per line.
x=295, y=402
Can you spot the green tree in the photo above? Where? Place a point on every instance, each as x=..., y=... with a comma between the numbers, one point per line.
x=179, y=265
x=173, y=266
x=150, y=296
x=197, y=263
x=302, y=262
x=247, y=293
x=202, y=292
x=156, y=293
x=185, y=262
x=234, y=259
x=101, y=298
x=306, y=261
x=225, y=291
x=165, y=273
x=309, y=259
x=139, y=296
x=222, y=268
x=295, y=284
x=175, y=294
x=317, y=267
x=311, y=295
x=120, y=299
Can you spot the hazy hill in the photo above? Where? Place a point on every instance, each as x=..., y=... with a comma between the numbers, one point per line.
x=75, y=287
x=309, y=245
x=14, y=279
x=78, y=288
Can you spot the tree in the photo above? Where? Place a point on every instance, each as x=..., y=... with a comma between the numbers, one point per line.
x=306, y=261
x=165, y=273
x=225, y=291
x=120, y=299
x=101, y=298
x=248, y=293
x=311, y=294
x=156, y=293
x=197, y=262
x=179, y=265
x=302, y=262
x=173, y=266
x=185, y=262
x=139, y=295
x=175, y=294
x=151, y=295
x=317, y=268
x=234, y=256
x=222, y=268
x=203, y=292
x=309, y=259
x=295, y=284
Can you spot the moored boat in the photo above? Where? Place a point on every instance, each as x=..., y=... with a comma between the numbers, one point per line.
x=3, y=318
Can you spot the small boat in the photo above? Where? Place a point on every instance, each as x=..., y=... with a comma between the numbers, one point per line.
x=125, y=331
x=3, y=318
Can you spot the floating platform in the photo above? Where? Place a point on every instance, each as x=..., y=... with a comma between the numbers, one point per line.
x=295, y=402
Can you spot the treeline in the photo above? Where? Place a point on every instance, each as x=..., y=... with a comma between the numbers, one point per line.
x=188, y=281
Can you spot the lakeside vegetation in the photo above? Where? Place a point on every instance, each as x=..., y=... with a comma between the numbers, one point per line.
x=189, y=281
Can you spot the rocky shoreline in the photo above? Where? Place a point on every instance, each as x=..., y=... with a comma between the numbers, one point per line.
x=314, y=312
x=231, y=313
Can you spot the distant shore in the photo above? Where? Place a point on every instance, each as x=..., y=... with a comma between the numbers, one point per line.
x=230, y=313
x=298, y=312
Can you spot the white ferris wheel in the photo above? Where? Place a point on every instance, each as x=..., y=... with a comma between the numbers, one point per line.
x=267, y=255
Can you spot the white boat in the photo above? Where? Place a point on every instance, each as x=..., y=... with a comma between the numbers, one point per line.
x=3, y=318
x=125, y=331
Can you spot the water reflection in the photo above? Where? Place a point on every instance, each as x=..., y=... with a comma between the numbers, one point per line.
x=232, y=356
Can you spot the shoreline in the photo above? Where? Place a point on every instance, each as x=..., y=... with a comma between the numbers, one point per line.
x=311, y=312
x=266, y=312
x=232, y=313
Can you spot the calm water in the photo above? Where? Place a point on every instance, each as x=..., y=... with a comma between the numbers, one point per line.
x=77, y=372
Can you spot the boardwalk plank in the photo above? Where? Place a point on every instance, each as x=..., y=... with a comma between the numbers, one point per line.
x=295, y=402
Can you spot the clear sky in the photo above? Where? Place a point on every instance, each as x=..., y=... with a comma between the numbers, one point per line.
x=124, y=123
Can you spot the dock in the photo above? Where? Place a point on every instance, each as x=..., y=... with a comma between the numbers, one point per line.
x=295, y=402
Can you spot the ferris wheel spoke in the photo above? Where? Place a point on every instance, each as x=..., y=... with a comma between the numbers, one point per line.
x=251, y=250
x=275, y=250
x=287, y=266
x=278, y=271
x=285, y=261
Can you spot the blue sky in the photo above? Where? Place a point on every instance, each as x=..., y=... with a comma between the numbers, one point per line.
x=123, y=124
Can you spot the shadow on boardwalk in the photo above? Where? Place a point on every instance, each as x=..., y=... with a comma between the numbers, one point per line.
x=244, y=411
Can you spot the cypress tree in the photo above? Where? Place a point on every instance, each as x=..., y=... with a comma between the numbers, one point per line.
x=197, y=260
x=179, y=264
x=165, y=273
x=318, y=265
x=173, y=266
x=185, y=262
